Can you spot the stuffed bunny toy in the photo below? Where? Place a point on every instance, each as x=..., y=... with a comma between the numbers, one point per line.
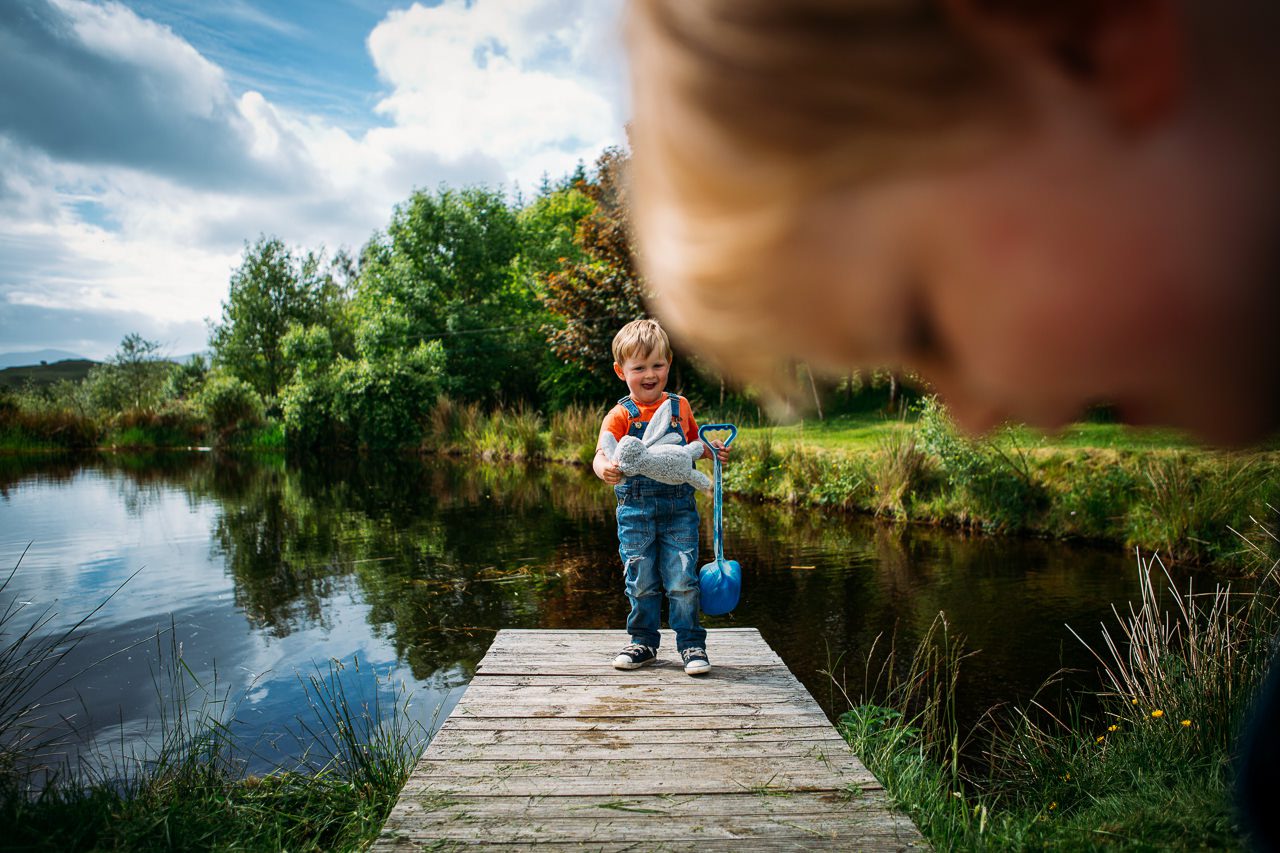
x=659, y=456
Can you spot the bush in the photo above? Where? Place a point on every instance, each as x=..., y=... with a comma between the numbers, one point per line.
x=384, y=402
x=997, y=482
x=229, y=404
x=174, y=424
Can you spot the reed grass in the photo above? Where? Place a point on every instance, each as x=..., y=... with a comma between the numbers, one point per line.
x=897, y=472
x=188, y=788
x=1148, y=767
x=573, y=433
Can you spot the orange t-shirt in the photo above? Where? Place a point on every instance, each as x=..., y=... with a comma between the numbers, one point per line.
x=618, y=421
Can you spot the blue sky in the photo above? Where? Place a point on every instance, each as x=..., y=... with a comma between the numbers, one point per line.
x=143, y=142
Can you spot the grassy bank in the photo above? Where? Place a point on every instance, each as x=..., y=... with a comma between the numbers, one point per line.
x=34, y=432
x=1095, y=481
x=1150, y=769
x=1143, y=489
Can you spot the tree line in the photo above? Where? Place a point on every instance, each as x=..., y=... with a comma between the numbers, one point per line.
x=466, y=294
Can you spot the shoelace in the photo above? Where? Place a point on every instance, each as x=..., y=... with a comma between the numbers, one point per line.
x=688, y=653
x=635, y=647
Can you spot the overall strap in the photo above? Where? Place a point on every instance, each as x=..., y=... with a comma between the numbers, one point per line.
x=630, y=405
x=676, y=426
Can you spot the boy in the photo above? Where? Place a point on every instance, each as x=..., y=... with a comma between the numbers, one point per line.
x=657, y=523
x=1037, y=206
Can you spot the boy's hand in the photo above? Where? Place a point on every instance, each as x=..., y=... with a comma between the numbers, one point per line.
x=721, y=450
x=607, y=469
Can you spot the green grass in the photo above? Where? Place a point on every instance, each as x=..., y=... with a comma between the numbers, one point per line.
x=1149, y=770
x=864, y=431
x=1095, y=481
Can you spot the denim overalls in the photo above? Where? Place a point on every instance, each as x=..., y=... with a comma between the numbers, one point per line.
x=658, y=542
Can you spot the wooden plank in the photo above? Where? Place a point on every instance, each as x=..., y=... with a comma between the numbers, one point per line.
x=686, y=750
x=550, y=748
x=551, y=807
x=637, y=723
x=720, y=669
x=818, y=735
x=777, y=783
x=656, y=831
x=397, y=840
x=654, y=678
x=692, y=693
x=622, y=708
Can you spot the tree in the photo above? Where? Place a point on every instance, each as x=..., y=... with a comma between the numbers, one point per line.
x=591, y=295
x=133, y=378
x=448, y=265
x=272, y=289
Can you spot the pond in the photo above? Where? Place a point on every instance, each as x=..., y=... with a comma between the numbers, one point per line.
x=259, y=573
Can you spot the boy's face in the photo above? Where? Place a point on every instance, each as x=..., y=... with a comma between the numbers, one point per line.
x=646, y=376
x=1117, y=247
x=1071, y=267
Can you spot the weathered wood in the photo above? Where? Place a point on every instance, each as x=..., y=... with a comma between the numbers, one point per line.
x=551, y=748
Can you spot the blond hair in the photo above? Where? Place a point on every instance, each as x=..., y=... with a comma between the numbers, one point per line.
x=748, y=112
x=640, y=338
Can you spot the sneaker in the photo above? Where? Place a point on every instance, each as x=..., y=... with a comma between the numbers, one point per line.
x=695, y=661
x=635, y=656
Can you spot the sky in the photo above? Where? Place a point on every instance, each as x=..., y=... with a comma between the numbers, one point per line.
x=144, y=142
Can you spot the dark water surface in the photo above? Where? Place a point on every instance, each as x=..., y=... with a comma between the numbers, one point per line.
x=265, y=571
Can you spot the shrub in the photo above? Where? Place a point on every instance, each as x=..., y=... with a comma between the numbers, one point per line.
x=229, y=404
x=996, y=481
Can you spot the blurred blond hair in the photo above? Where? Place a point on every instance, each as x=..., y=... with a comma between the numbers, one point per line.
x=640, y=338
x=748, y=113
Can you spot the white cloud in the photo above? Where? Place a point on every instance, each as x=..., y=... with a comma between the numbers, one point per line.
x=150, y=214
x=509, y=80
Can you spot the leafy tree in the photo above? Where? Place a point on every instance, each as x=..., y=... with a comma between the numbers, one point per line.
x=448, y=266
x=131, y=380
x=376, y=399
x=270, y=290
x=549, y=224
x=591, y=295
x=186, y=379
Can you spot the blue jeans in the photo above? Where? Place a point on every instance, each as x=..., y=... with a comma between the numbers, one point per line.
x=658, y=543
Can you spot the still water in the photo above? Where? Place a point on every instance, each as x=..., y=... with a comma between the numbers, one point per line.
x=262, y=572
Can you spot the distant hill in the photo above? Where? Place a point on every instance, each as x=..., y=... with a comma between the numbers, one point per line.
x=74, y=369
x=27, y=359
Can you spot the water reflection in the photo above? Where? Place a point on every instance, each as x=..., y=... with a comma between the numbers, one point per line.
x=267, y=569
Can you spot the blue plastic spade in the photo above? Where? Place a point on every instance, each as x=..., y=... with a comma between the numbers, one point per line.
x=720, y=581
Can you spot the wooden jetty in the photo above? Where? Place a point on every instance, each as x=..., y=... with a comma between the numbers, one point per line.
x=551, y=748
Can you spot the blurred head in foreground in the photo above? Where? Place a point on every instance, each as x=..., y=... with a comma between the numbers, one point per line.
x=1037, y=206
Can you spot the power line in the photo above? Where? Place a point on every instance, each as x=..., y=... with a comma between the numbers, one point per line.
x=523, y=328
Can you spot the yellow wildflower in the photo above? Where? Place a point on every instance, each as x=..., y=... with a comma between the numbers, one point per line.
x=1053, y=805
x=1133, y=701
x=1157, y=713
x=1186, y=724
x=1113, y=728
x=1101, y=738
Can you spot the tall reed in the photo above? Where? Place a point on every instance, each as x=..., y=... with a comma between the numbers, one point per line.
x=187, y=787
x=573, y=433
x=1148, y=765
